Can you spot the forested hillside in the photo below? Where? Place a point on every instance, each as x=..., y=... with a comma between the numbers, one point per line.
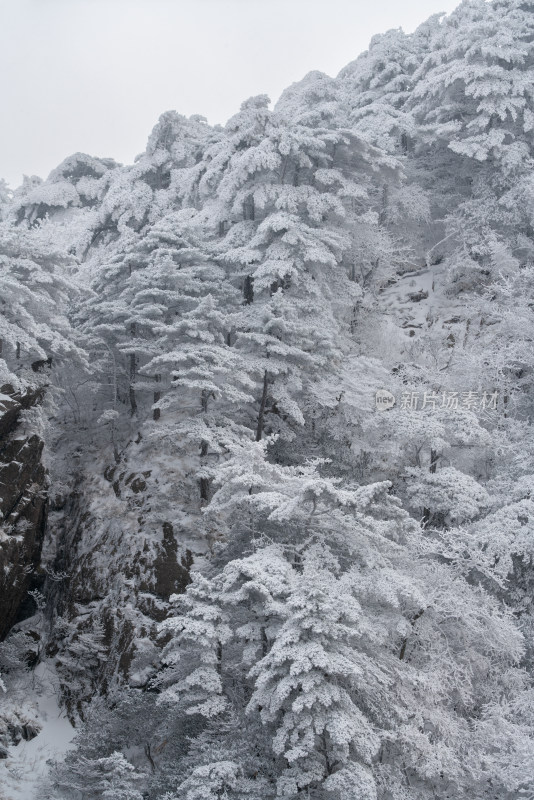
x=267, y=445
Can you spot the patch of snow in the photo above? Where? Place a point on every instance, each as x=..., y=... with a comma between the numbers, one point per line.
x=23, y=772
x=5, y=400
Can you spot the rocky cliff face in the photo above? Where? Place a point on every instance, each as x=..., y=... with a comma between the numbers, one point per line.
x=116, y=563
x=23, y=507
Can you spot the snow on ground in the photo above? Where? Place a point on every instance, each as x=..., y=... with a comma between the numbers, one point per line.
x=22, y=773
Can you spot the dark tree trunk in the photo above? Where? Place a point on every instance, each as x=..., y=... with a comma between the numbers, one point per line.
x=249, y=210
x=219, y=657
x=204, y=482
x=133, y=401
x=384, y=207
x=248, y=290
x=157, y=397
x=264, y=642
x=433, y=467
x=261, y=413
x=204, y=489
x=133, y=369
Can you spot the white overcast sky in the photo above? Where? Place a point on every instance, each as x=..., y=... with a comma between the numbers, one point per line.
x=94, y=75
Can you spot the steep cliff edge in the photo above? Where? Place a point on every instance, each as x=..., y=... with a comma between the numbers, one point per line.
x=23, y=505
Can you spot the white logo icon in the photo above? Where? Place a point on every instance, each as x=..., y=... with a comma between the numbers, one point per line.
x=384, y=400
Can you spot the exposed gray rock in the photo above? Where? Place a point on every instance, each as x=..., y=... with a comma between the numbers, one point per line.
x=23, y=507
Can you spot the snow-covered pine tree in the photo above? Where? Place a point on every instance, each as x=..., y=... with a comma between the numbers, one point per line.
x=193, y=656
x=345, y=618
x=291, y=194
x=372, y=232
x=37, y=292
